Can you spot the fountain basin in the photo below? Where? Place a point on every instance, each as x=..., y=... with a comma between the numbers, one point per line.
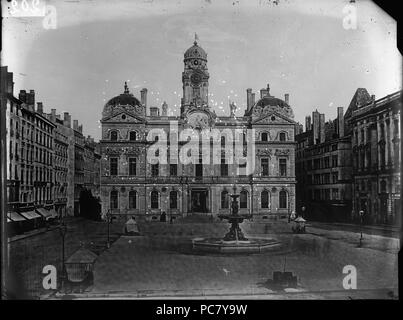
x=218, y=245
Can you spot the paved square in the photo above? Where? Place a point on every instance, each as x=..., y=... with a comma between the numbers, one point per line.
x=163, y=265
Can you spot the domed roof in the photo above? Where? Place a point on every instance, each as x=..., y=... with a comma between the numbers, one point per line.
x=195, y=52
x=268, y=104
x=124, y=99
x=271, y=101
x=123, y=102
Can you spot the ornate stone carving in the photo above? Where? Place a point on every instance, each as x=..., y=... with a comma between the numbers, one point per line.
x=123, y=150
x=264, y=152
x=282, y=152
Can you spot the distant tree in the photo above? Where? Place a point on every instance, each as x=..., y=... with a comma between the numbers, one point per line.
x=90, y=207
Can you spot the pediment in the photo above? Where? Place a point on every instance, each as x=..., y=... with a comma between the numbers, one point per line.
x=272, y=118
x=123, y=117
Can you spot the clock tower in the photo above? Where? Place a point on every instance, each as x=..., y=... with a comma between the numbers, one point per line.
x=194, y=79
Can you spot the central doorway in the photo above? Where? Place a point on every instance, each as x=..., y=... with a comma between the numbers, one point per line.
x=199, y=200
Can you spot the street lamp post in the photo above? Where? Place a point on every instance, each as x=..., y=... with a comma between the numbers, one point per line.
x=361, y=220
x=108, y=219
x=63, y=231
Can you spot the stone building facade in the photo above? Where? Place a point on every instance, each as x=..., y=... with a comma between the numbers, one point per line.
x=62, y=174
x=132, y=185
x=91, y=166
x=40, y=155
x=323, y=169
x=376, y=150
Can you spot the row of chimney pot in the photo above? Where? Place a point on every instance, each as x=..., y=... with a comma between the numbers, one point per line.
x=250, y=96
x=29, y=99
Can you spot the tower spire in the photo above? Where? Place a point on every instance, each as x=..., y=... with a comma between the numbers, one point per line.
x=196, y=38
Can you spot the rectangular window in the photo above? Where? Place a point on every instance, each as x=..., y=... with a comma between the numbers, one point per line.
x=224, y=168
x=335, y=194
x=264, y=163
x=316, y=163
x=132, y=166
x=155, y=170
x=334, y=177
x=326, y=162
x=173, y=169
x=173, y=200
x=283, y=167
x=334, y=161
x=113, y=166
x=199, y=169
x=327, y=194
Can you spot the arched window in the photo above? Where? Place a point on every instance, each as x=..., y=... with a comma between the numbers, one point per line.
x=243, y=199
x=224, y=200
x=114, y=135
x=283, y=199
x=132, y=199
x=264, y=199
x=282, y=136
x=264, y=136
x=173, y=200
x=114, y=199
x=222, y=141
x=132, y=136
x=154, y=200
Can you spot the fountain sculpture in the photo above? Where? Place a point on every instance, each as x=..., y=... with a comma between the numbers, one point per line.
x=234, y=241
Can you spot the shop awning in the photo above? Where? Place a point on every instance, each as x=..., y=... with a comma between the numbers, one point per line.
x=47, y=214
x=30, y=215
x=14, y=216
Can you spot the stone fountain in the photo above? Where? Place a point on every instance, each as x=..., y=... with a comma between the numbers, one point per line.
x=234, y=241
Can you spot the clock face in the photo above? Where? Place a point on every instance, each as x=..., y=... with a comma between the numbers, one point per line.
x=198, y=120
x=195, y=62
x=195, y=78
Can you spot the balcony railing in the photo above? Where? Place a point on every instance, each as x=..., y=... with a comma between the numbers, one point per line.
x=176, y=179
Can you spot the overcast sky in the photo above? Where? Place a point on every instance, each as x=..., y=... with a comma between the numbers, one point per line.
x=298, y=46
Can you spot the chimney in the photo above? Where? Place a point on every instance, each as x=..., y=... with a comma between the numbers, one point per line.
x=315, y=126
x=143, y=93
x=23, y=96
x=253, y=99
x=307, y=123
x=263, y=93
x=340, y=122
x=53, y=115
x=31, y=98
x=75, y=125
x=39, y=108
x=10, y=83
x=248, y=99
x=321, y=127
x=287, y=98
x=80, y=128
x=154, y=112
x=67, y=120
